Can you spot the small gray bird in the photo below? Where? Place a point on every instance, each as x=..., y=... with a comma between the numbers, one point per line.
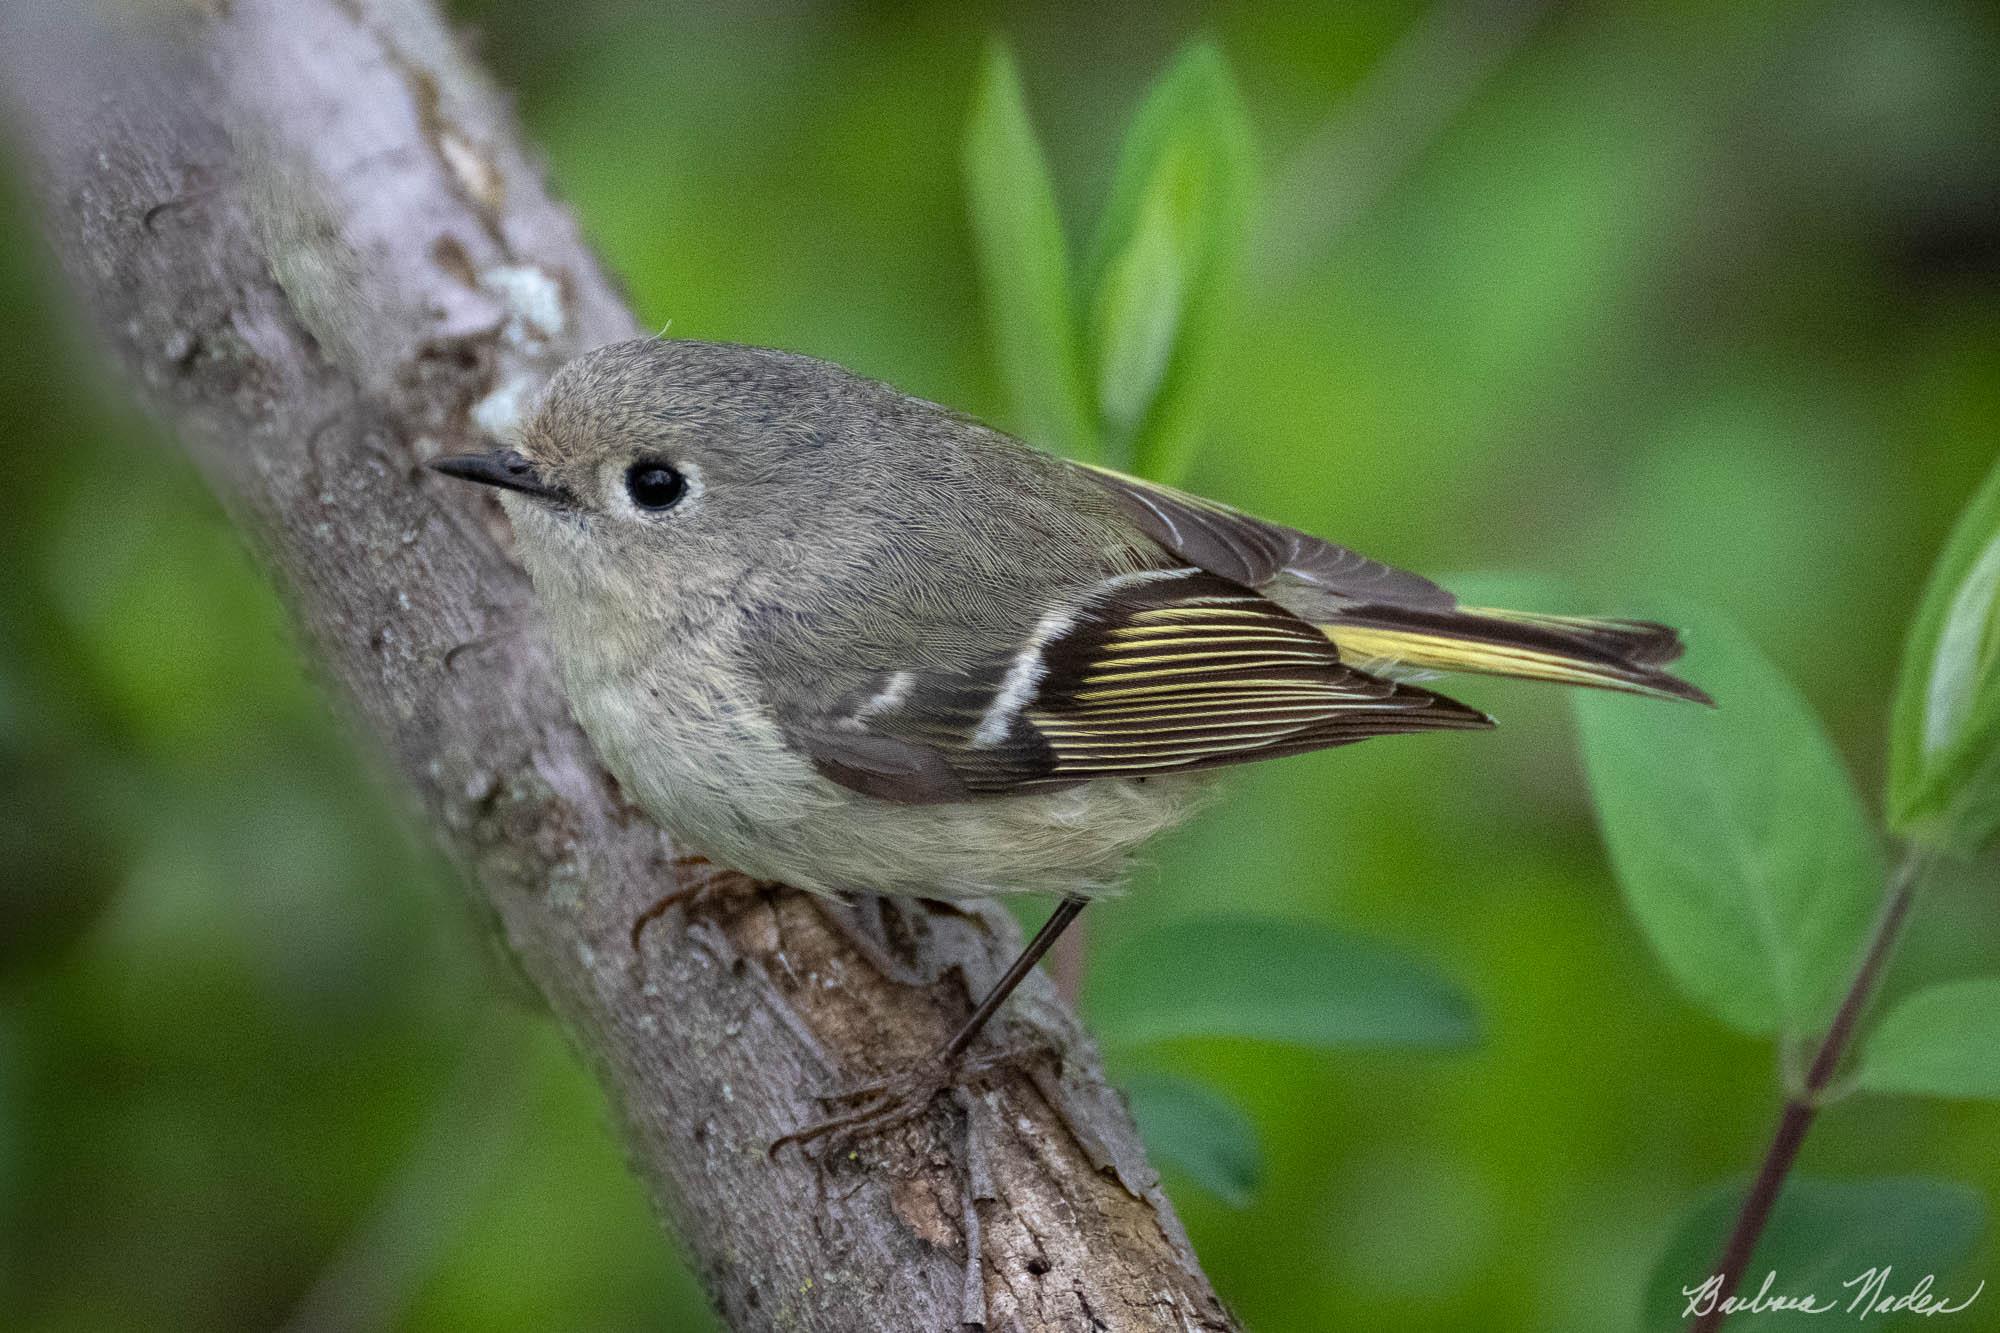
x=835, y=636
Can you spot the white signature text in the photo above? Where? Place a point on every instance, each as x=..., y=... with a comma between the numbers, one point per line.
x=1869, y=1293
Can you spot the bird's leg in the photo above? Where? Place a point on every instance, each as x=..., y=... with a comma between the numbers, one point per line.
x=709, y=879
x=888, y=1102
x=1059, y=920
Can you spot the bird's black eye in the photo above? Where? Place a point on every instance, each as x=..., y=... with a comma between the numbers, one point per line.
x=654, y=486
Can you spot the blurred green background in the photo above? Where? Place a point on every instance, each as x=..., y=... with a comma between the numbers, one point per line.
x=1697, y=300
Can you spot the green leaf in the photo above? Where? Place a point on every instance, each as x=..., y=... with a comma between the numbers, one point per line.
x=1944, y=777
x=1940, y=1042
x=1736, y=835
x=1257, y=977
x=1167, y=262
x=1822, y=1236
x=1192, y=1127
x=1024, y=264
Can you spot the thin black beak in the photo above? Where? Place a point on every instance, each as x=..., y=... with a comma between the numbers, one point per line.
x=503, y=468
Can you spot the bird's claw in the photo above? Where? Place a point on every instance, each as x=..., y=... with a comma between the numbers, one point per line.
x=884, y=1104
x=711, y=881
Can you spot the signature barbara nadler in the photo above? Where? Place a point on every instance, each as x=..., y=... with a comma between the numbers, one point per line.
x=1867, y=1293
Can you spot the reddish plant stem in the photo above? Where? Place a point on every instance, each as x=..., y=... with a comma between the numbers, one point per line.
x=1802, y=1107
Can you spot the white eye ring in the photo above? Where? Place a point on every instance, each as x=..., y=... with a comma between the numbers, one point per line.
x=652, y=487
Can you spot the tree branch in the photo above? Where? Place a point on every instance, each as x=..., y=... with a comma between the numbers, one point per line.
x=309, y=232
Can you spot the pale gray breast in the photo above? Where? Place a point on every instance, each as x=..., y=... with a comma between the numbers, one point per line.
x=687, y=730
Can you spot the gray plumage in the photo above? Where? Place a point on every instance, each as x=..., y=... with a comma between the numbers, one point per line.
x=871, y=645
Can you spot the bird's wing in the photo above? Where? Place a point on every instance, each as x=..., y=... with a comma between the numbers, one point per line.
x=1252, y=551
x=1142, y=675
x=1386, y=619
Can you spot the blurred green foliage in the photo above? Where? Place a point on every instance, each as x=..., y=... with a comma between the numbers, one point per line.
x=1741, y=844
x=1746, y=858
x=1025, y=264
x=1685, y=301
x=1939, y=1042
x=1823, y=1235
x=1129, y=383
x=1944, y=743
x=1298, y=981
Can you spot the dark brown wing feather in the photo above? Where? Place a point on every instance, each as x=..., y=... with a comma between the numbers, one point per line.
x=1251, y=551
x=1153, y=674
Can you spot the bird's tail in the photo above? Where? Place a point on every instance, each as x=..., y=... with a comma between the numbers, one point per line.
x=1576, y=650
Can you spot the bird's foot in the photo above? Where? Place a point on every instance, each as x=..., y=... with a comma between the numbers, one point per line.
x=881, y=1105
x=709, y=881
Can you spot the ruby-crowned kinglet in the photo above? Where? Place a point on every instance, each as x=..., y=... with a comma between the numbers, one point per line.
x=832, y=635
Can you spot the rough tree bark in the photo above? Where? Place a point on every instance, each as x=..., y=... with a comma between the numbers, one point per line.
x=309, y=232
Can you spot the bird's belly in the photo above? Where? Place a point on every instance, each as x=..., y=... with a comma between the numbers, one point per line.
x=1075, y=841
